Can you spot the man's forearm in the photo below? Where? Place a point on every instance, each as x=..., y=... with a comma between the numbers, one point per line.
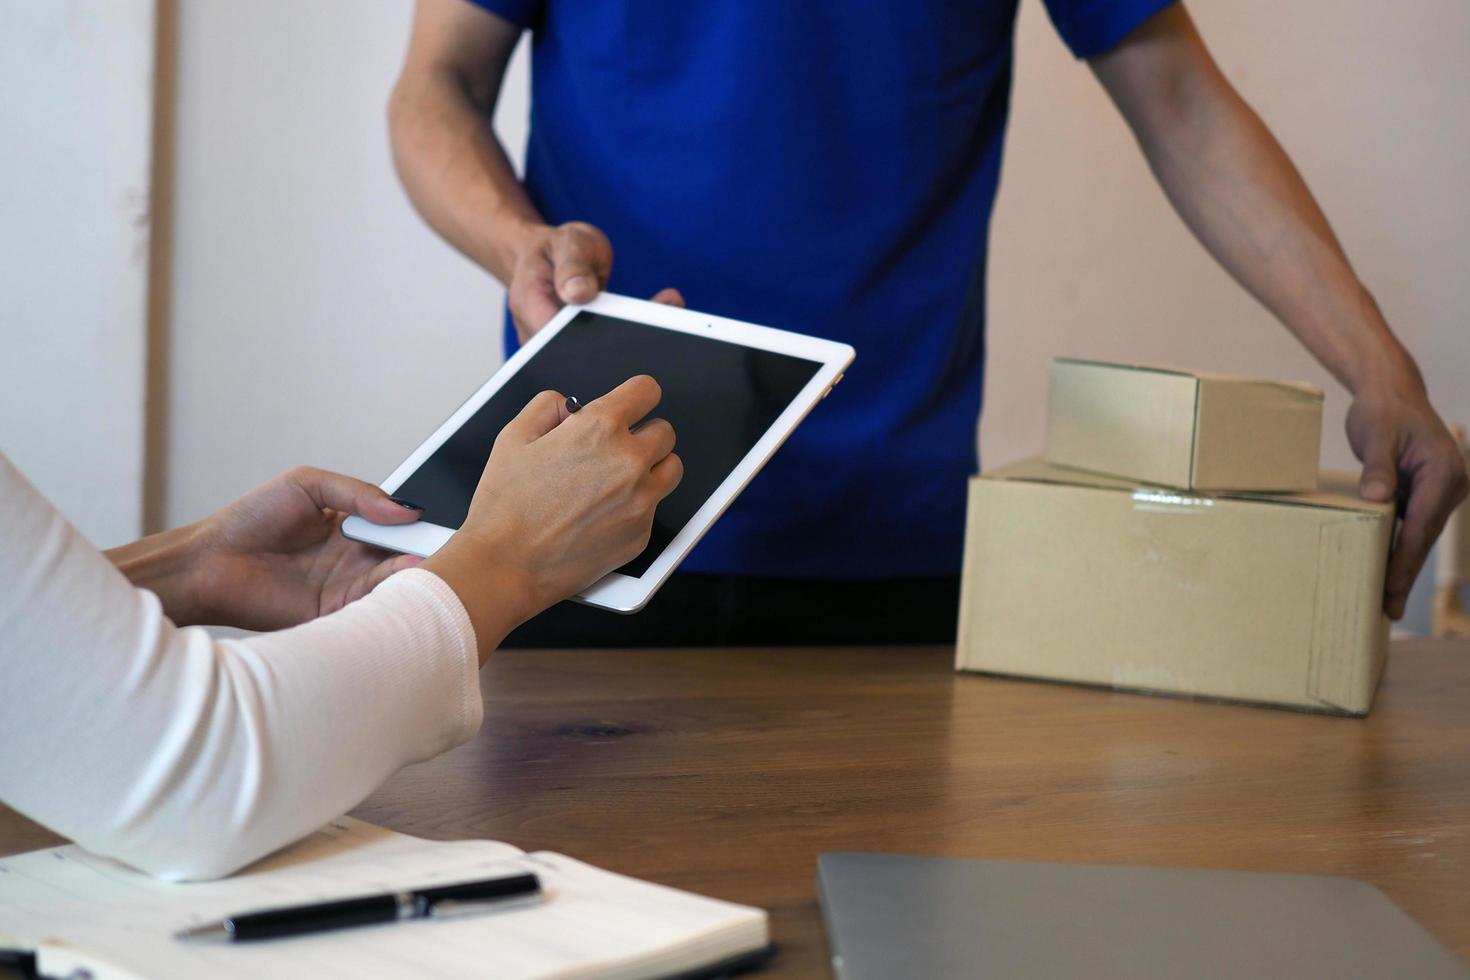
x=461, y=181
x=456, y=172
x=1240, y=195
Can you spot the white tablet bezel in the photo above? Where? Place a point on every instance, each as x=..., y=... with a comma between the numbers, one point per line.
x=615, y=591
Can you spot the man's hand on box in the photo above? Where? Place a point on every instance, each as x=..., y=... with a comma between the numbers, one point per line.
x=1408, y=455
x=554, y=266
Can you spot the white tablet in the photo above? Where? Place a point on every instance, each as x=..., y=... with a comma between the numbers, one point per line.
x=733, y=392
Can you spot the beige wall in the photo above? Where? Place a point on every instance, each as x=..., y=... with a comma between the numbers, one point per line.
x=314, y=318
x=76, y=123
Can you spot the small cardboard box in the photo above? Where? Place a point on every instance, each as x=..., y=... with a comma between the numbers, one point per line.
x=1183, y=428
x=1270, y=599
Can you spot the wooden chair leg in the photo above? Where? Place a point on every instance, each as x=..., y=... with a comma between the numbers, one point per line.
x=1449, y=617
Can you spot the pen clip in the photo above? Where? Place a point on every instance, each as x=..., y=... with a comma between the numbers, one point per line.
x=453, y=908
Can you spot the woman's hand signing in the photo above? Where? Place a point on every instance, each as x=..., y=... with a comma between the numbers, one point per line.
x=564, y=499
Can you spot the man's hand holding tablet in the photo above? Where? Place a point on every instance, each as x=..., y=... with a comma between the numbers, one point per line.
x=563, y=501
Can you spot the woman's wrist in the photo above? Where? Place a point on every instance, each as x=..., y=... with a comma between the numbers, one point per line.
x=167, y=565
x=496, y=597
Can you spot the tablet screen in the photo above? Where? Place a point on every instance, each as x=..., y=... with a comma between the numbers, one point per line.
x=720, y=397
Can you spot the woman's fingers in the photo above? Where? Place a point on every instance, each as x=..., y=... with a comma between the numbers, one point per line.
x=666, y=474
x=555, y=512
x=542, y=414
x=656, y=437
x=333, y=491
x=629, y=401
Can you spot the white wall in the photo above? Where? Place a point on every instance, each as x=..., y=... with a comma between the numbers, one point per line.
x=76, y=124
x=1087, y=257
x=314, y=318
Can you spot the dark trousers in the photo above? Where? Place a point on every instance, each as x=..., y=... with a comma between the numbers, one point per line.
x=726, y=610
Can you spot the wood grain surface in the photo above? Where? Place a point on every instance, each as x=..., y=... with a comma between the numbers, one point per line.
x=727, y=772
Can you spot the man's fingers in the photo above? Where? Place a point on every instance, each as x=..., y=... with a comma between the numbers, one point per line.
x=1432, y=496
x=630, y=401
x=570, y=266
x=669, y=297
x=581, y=256
x=333, y=491
x=1380, y=472
x=542, y=414
x=533, y=300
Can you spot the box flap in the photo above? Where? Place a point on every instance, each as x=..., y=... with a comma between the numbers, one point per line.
x=1337, y=490
x=1300, y=388
x=1149, y=368
x=1347, y=605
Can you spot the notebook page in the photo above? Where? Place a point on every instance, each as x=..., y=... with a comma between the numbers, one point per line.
x=631, y=928
x=79, y=910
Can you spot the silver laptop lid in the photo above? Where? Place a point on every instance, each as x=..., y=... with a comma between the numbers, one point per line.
x=893, y=915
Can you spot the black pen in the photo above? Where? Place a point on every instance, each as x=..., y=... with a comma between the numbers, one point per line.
x=440, y=901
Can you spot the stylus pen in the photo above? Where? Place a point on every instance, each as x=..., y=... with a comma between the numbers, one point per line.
x=573, y=406
x=440, y=901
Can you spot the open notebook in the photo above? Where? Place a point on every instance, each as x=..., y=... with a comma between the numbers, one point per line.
x=79, y=912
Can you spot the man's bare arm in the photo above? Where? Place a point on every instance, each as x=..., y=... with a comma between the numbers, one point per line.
x=1239, y=193
x=455, y=171
x=458, y=175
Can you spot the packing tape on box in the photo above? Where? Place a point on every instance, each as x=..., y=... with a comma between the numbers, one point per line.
x=1168, y=502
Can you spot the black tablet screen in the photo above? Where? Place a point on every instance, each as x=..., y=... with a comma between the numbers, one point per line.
x=720, y=397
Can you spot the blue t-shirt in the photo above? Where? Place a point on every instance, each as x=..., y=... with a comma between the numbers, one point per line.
x=821, y=166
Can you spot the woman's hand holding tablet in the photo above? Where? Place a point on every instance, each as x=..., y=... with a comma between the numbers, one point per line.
x=563, y=500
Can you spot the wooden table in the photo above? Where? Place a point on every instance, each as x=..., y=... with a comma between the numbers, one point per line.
x=728, y=771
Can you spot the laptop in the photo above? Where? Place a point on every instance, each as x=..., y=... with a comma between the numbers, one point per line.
x=898, y=915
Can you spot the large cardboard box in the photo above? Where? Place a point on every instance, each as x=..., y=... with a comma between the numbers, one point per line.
x=1272, y=599
x=1183, y=428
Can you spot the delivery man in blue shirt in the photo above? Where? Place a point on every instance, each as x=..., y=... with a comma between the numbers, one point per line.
x=829, y=167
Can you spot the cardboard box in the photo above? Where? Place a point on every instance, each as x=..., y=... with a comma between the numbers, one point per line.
x=1270, y=599
x=1183, y=428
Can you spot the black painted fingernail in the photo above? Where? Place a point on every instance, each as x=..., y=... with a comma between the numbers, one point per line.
x=573, y=406
x=405, y=504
